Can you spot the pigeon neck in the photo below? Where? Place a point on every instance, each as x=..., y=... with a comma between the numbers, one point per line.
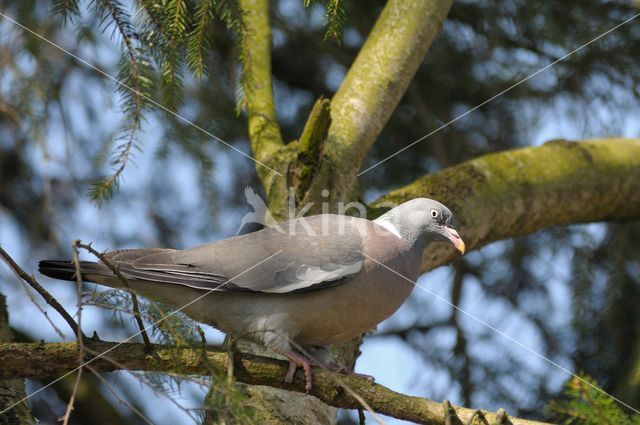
x=393, y=225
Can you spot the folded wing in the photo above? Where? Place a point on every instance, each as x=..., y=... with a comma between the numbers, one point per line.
x=301, y=255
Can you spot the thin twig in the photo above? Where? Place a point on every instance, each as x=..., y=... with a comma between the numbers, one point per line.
x=40, y=290
x=230, y=346
x=362, y=420
x=117, y=397
x=76, y=262
x=28, y=290
x=134, y=299
x=203, y=353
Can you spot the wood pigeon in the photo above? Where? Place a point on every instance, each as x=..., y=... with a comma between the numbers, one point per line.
x=304, y=284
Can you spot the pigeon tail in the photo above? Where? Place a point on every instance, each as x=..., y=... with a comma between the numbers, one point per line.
x=66, y=270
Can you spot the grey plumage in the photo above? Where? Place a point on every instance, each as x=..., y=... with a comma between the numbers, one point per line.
x=316, y=284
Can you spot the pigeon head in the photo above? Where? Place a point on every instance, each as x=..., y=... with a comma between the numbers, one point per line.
x=422, y=221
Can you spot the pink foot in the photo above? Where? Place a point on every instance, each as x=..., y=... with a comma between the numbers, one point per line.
x=298, y=360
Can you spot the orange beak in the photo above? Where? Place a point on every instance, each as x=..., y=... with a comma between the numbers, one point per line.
x=455, y=239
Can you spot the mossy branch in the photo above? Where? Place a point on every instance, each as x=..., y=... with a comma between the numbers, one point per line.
x=51, y=360
x=521, y=191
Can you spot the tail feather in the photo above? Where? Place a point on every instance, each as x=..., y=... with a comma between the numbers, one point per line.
x=66, y=270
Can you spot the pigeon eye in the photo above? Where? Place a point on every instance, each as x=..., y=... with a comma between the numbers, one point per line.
x=434, y=213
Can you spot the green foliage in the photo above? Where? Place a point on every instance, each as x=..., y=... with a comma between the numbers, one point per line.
x=135, y=77
x=160, y=40
x=334, y=20
x=585, y=405
x=225, y=399
x=157, y=42
x=199, y=38
x=66, y=9
x=227, y=402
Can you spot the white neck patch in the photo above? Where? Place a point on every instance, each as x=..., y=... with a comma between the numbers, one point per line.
x=388, y=225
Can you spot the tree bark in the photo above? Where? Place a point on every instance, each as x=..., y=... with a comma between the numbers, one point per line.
x=51, y=360
x=521, y=191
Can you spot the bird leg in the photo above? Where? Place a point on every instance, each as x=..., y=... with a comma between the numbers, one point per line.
x=337, y=367
x=298, y=360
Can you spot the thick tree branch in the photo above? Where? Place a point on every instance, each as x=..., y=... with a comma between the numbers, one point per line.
x=375, y=83
x=50, y=360
x=517, y=192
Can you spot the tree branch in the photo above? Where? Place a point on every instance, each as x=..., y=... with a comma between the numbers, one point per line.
x=49, y=360
x=521, y=191
x=264, y=130
x=376, y=82
x=372, y=88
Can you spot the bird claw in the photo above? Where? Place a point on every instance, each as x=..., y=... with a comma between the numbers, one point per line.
x=297, y=360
